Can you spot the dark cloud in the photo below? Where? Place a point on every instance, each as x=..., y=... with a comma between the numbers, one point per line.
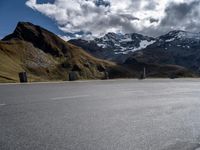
x=152, y=20
x=104, y=3
x=128, y=17
x=151, y=5
x=118, y=21
x=135, y=4
x=178, y=14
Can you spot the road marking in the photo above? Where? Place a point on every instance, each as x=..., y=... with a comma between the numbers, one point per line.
x=2, y=104
x=131, y=91
x=70, y=97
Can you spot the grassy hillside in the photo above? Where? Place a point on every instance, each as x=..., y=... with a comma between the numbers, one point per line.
x=18, y=55
x=45, y=56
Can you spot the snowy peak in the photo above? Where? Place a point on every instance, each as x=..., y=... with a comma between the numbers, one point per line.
x=175, y=48
x=117, y=47
x=124, y=43
x=180, y=35
x=185, y=35
x=112, y=36
x=178, y=39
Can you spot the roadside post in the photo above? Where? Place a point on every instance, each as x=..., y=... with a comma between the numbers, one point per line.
x=23, y=77
x=106, y=75
x=73, y=76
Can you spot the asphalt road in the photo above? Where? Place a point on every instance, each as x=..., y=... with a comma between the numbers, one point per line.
x=160, y=114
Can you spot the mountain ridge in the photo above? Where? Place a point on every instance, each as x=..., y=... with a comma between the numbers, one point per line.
x=46, y=57
x=176, y=47
x=113, y=46
x=32, y=40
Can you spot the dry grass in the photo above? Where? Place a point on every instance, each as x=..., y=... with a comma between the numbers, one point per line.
x=45, y=56
x=17, y=56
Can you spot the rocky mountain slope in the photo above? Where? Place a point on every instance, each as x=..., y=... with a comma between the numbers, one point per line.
x=177, y=47
x=174, y=48
x=45, y=56
x=115, y=47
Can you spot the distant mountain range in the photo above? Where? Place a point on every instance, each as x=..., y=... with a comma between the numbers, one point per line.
x=45, y=56
x=115, y=47
x=119, y=47
x=175, y=48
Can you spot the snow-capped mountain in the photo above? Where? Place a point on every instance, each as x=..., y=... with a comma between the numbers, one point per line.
x=181, y=35
x=124, y=44
x=176, y=47
x=114, y=46
x=178, y=39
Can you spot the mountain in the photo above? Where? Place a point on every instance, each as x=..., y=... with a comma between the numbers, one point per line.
x=45, y=56
x=114, y=47
x=176, y=47
x=165, y=55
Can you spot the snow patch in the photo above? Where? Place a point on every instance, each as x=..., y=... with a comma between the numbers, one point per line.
x=126, y=40
x=170, y=40
x=102, y=45
x=145, y=43
x=188, y=35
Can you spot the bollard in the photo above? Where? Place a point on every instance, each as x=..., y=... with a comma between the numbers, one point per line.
x=23, y=77
x=73, y=75
x=106, y=75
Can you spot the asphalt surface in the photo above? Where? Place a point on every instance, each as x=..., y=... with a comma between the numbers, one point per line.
x=160, y=114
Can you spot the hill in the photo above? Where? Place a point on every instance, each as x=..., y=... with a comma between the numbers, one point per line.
x=45, y=56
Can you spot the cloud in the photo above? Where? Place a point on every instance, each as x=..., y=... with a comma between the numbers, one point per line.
x=65, y=37
x=152, y=20
x=184, y=16
x=97, y=17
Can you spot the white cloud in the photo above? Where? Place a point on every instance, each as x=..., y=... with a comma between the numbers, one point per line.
x=119, y=16
x=64, y=37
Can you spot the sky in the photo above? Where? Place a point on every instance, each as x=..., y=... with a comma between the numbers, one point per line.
x=13, y=11
x=86, y=18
